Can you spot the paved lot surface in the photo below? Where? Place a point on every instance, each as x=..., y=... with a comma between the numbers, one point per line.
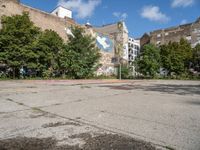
x=166, y=113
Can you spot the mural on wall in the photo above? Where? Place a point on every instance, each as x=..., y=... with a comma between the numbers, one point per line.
x=104, y=43
x=106, y=70
x=107, y=67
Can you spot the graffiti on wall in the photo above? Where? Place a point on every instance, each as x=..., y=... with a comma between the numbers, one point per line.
x=104, y=43
x=106, y=70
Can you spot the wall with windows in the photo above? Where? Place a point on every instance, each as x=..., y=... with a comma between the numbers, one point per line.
x=133, y=50
x=190, y=32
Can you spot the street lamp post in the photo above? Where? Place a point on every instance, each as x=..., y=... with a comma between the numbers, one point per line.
x=120, y=69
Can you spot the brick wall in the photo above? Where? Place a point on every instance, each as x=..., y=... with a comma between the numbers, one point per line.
x=41, y=19
x=174, y=34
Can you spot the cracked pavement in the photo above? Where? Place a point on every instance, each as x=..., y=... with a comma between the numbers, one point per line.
x=166, y=113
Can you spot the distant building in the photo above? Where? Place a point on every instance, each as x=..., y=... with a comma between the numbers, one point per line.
x=133, y=52
x=62, y=12
x=145, y=39
x=190, y=32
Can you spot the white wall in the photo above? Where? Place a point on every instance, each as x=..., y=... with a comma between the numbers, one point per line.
x=62, y=12
x=134, y=51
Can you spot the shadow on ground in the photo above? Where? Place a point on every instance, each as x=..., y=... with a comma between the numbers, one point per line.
x=163, y=88
x=105, y=142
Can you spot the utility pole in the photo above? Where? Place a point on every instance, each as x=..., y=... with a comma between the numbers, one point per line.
x=120, y=71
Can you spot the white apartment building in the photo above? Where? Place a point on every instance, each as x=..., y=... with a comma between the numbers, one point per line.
x=133, y=52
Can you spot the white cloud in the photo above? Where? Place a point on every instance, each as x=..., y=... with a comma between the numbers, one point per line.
x=153, y=13
x=184, y=21
x=120, y=15
x=82, y=8
x=182, y=3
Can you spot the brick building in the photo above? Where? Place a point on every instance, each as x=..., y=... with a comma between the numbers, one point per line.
x=41, y=19
x=190, y=32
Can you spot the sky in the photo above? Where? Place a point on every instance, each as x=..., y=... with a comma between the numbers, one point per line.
x=140, y=16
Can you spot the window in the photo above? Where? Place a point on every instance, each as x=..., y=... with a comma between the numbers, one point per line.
x=56, y=13
x=135, y=53
x=131, y=45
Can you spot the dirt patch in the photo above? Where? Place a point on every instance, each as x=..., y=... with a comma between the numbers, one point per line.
x=57, y=124
x=101, y=142
x=112, y=141
x=23, y=143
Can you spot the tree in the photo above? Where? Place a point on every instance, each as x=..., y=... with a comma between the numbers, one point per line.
x=185, y=51
x=16, y=38
x=148, y=62
x=80, y=56
x=171, y=59
x=175, y=57
x=48, y=46
x=196, y=58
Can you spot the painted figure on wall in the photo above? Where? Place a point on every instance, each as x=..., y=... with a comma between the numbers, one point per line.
x=104, y=43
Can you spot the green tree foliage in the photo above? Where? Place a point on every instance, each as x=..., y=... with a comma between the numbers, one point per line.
x=80, y=56
x=16, y=38
x=125, y=72
x=24, y=45
x=196, y=58
x=175, y=57
x=148, y=62
x=48, y=46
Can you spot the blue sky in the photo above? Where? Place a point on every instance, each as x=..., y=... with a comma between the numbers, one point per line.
x=140, y=15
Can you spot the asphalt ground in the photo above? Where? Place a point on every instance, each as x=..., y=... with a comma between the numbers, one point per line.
x=73, y=114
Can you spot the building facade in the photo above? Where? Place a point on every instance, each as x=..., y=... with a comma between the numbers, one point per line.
x=40, y=18
x=119, y=32
x=133, y=52
x=190, y=32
